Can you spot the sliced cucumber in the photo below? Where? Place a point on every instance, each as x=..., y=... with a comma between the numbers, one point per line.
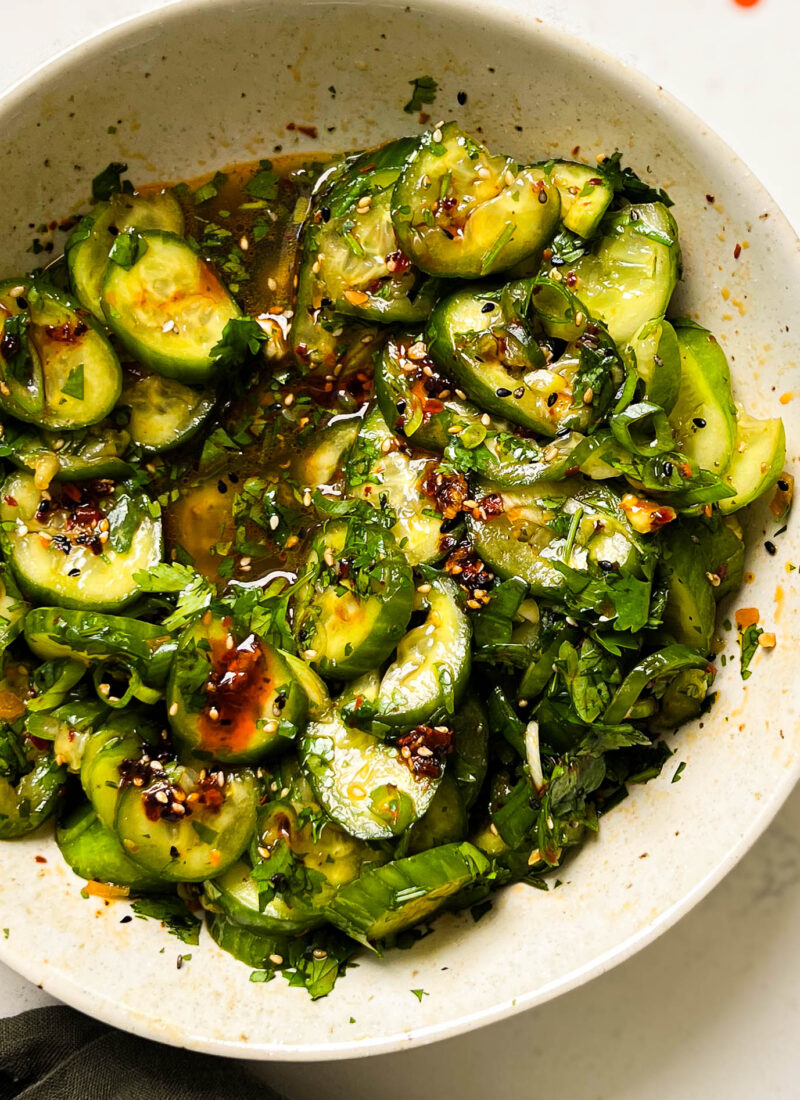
x=704, y=416
x=113, y=741
x=356, y=599
x=430, y=672
x=90, y=242
x=459, y=212
x=526, y=538
x=94, y=452
x=168, y=308
x=691, y=609
x=329, y=856
x=163, y=412
x=53, y=632
x=585, y=194
x=658, y=361
x=56, y=548
x=444, y=823
x=630, y=273
x=470, y=749
x=496, y=357
x=757, y=460
x=385, y=900
x=198, y=843
x=254, y=949
x=235, y=894
x=94, y=852
x=232, y=698
x=12, y=608
x=378, y=470
x=362, y=782
x=57, y=369
x=322, y=460
x=313, y=685
x=355, y=258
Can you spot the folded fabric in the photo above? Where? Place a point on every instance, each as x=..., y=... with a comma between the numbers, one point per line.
x=58, y=1054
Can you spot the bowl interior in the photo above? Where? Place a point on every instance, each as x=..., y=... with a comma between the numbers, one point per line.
x=205, y=84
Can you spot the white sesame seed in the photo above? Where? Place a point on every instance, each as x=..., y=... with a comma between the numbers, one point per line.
x=461, y=395
x=486, y=420
x=310, y=655
x=173, y=710
x=276, y=960
x=579, y=318
x=288, y=400
x=272, y=283
x=274, y=523
x=244, y=244
x=437, y=136
x=229, y=642
x=588, y=396
x=213, y=714
x=244, y=562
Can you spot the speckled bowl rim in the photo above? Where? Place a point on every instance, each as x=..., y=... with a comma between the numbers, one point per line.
x=682, y=120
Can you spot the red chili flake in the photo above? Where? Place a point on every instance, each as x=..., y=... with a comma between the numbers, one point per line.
x=447, y=491
x=424, y=749
x=468, y=569
x=397, y=262
x=40, y=859
x=40, y=743
x=570, y=278
x=66, y=333
x=10, y=501
x=491, y=505
x=710, y=198
x=309, y=131
x=737, y=251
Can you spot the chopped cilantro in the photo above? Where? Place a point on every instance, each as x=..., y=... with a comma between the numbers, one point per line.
x=176, y=917
x=424, y=91
x=748, y=644
x=73, y=387
x=109, y=182
x=420, y=993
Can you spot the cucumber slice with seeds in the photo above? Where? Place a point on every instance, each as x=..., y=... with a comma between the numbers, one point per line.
x=199, y=843
x=163, y=412
x=658, y=362
x=362, y=782
x=168, y=308
x=232, y=698
x=757, y=460
x=55, y=547
x=97, y=451
x=430, y=672
x=584, y=191
x=57, y=368
x=356, y=599
x=385, y=900
x=235, y=894
x=378, y=469
x=90, y=242
x=704, y=416
x=631, y=271
x=460, y=212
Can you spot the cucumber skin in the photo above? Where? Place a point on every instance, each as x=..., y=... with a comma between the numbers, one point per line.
x=217, y=897
x=362, y=908
x=94, y=852
x=251, y=948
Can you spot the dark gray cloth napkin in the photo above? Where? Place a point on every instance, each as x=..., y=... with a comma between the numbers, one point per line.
x=58, y=1054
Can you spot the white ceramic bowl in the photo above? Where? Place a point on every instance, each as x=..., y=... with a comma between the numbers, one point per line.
x=206, y=83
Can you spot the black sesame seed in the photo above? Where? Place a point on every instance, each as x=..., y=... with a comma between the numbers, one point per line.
x=221, y=486
x=543, y=196
x=783, y=485
x=126, y=919
x=668, y=468
x=699, y=422
x=770, y=548
x=233, y=479
x=551, y=400
x=326, y=214
x=462, y=98
x=606, y=566
x=74, y=573
x=400, y=406
x=174, y=853
x=519, y=392
x=487, y=307
x=501, y=391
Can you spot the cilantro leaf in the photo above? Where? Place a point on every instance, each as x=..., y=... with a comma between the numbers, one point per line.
x=193, y=589
x=748, y=644
x=128, y=248
x=626, y=183
x=14, y=348
x=210, y=189
x=424, y=91
x=241, y=339
x=264, y=184
x=109, y=182
x=73, y=387
x=176, y=917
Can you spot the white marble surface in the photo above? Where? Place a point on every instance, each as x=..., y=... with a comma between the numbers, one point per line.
x=711, y=1009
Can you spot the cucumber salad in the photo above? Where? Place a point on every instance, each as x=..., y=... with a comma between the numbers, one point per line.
x=363, y=527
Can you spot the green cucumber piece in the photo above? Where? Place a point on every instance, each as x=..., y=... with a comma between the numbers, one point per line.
x=313, y=685
x=527, y=537
x=445, y=821
x=326, y=856
x=125, y=737
x=94, y=452
x=254, y=949
x=379, y=470
x=385, y=900
x=202, y=842
x=355, y=258
x=12, y=608
x=168, y=308
x=92, y=239
x=57, y=368
x=163, y=412
x=658, y=362
x=321, y=461
x=704, y=416
x=459, y=212
x=87, y=636
x=94, y=853
x=585, y=194
x=235, y=894
x=351, y=614
x=691, y=608
x=631, y=271
x=757, y=460
x=430, y=672
x=474, y=336
x=232, y=698
x=362, y=782
x=74, y=567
